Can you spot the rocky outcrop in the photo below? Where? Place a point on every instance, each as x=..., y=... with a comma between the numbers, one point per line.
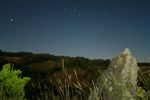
x=120, y=80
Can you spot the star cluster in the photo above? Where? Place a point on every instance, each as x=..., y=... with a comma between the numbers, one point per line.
x=89, y=28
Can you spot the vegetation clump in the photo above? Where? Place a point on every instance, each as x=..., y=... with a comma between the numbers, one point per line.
x=12, y=84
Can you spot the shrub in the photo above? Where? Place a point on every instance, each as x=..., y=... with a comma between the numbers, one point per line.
x=12, y=84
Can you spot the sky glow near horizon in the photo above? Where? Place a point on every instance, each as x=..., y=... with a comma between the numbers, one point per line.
x=88, y=28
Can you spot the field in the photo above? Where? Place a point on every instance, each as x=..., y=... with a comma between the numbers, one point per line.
x=64, y=78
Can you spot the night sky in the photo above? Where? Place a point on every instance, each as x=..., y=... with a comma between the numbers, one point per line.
x=88, y=28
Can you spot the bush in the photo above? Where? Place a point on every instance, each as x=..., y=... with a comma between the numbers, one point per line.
x=12, y=84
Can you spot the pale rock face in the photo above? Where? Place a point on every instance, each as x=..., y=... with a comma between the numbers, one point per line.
x=125, y=67
x=121, y=78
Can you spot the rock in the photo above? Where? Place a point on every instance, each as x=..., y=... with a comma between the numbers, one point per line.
x=126, y=67
x=119, y=82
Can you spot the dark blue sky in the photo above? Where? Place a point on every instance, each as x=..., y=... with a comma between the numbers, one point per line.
x=88, y=28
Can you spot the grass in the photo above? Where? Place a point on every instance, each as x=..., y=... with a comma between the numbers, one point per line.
x=70, y=87
x=14, y=60
x=144, y=82
x=67, y=87
x=42, y=66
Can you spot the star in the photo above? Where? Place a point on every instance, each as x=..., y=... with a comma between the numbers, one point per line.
x=11, y=19
x=74, y=10
x=18, y=2
x=65, y=9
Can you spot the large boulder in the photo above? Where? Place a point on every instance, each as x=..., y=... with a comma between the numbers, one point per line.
x=119, y=82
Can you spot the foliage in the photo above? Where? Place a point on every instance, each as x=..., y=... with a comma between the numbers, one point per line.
x=111, y=88
x=95, y=93
x=144, y=84
x=141, y=94
x=67, y=87
x=11, y=84
x=44, y=86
